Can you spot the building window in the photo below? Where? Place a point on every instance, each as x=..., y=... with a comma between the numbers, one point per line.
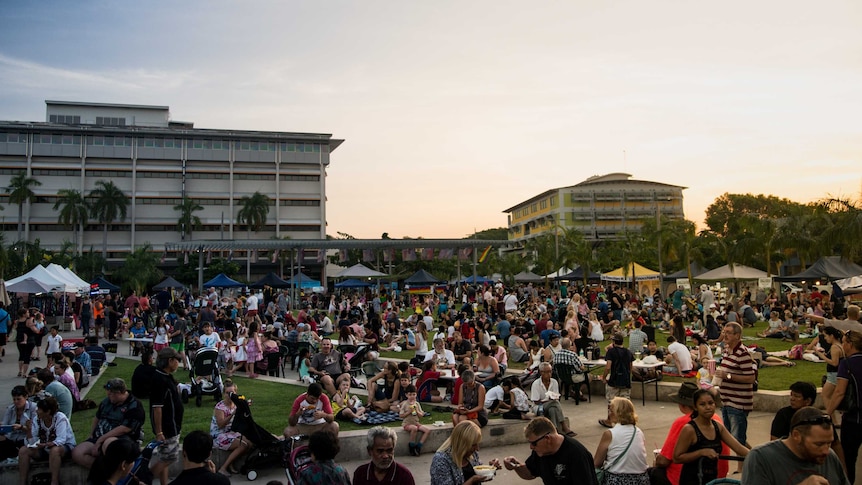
x=543, y=204
x=65, y=119
x=307, y=203
x=107, y=173
x=13, y=138
x=253, y=176
x=207, y=175
x=53, y=172
x=159, y=175
x=110, y=121
x=299, y=178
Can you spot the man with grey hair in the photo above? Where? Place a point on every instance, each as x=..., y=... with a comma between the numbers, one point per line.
x=545, y=393
x=381, y=443
x=851, y=323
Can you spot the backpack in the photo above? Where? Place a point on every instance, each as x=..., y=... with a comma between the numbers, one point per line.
x=796, y=352
x=850, y=403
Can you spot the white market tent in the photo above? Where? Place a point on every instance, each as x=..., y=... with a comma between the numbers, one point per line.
x=66, y=275
x=50, y=280
x=359, y=270
x=28, y=285
x=728, y=273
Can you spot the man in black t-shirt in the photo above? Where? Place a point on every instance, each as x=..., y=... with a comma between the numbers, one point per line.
x=556, y=459
x=802, y=394
x=166, y=412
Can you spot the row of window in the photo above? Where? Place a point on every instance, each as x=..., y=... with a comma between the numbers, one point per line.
x=158, y=227
x=173, y=201
x=167, y=142
x=65, y=119
x=59, y=172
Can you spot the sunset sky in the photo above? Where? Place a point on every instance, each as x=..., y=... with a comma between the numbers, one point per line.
x=453, y=111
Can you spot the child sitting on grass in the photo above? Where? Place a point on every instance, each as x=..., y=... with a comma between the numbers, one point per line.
x=304, y=364
x=411, y=411
x=347, y=407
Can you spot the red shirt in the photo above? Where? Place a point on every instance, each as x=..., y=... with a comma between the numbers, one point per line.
x=397, y=473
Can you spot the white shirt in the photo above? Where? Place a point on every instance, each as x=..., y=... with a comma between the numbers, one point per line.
x=446, y=358
x=494, y=394
x=538, y=393
x=54, y=342
x=429, y=322
x=210, y=341
x=511, y=302
x=682, y=354
x=251, y=302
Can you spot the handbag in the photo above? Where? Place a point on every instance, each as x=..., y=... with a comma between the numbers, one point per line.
x=600, y=472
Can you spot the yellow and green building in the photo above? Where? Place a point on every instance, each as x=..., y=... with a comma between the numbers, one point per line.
x=603, y=207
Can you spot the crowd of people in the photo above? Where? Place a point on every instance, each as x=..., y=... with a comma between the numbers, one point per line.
x=474, y=334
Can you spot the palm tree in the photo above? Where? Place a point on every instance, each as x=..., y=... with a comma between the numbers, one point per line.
x=74, y=212
x=576, y=251
x=188, y=220
x=20, y=191
x=846, y=230
x=253, y=213
x=110, y=203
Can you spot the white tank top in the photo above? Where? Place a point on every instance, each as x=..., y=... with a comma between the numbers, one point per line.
x=635, y=460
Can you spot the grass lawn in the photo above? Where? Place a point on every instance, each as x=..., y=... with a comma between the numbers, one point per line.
x=270, y=407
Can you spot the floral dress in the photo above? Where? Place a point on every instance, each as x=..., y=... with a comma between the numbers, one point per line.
x=252, y=349
x=223, y=437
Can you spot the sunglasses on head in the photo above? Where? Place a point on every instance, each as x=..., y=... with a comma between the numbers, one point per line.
x=821, y=420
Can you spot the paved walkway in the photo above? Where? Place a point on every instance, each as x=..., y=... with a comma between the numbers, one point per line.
x=655, y=419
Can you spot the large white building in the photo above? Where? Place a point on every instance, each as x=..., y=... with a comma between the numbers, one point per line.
x=157, y=161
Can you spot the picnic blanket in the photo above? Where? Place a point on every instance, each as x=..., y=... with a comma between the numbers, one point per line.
x=379, y=418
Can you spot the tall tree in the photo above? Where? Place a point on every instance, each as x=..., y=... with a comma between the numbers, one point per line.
x=109, y=204
x=846, y=230
x=188, y=221
x=575, y=250
x=253, y=212
x=20, y=191
x=74, y=212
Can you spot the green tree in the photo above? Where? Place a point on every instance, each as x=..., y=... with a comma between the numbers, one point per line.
x=65, y=256
x=88, y=264
x=188, y=221
x=109, y=204
x=846, y=229
x=253, y=212
x=73, y=212
x=20, y=191
x=140, y=270
x=575, y=250
x=4, y=257
x=541, y=251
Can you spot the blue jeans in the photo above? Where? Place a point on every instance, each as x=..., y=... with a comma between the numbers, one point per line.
x=736, y=421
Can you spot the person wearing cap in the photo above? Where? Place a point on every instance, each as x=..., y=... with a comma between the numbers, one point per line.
x=664, y=460
x=618, y=375
x=83, y=358
x=166, y=412
x=804, y=457
x=554, y=345
x=120, y=416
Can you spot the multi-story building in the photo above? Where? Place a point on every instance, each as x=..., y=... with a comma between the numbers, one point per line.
x=602, y=207
x=156, y=162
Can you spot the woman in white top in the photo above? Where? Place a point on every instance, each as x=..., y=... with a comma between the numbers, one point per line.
x=596, y=333
x=623, y=463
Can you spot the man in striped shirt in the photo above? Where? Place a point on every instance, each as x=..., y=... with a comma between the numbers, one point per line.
x=737, y=373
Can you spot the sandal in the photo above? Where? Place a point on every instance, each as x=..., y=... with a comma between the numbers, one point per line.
x=605, y=423
x=225, y=473
x=231, y=469
x=571, y=434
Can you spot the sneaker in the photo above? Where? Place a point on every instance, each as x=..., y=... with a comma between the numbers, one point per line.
x=10, y=461
x=357, y=420
x=412, y=448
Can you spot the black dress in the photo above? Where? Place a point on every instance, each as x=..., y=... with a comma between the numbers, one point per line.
x=709, y=467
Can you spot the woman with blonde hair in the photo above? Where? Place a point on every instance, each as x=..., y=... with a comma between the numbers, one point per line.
x=453, y=463
x=622, y=450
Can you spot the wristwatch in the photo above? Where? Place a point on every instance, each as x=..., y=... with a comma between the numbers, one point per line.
x=729, y=377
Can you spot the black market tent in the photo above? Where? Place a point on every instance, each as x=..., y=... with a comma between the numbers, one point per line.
x=223, y=281
x=422, y=277
x=272, y=280
x=475, y=280
x=696, y=270
x=104, y=284
x=528, y=277
x=168, y=283
x=827, y=268
x=576, y=275
x=353, y=283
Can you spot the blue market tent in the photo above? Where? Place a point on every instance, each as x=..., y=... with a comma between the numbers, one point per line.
x=104, y=284
x=303, y=280
x=353, y=283
x=475, y=280
x=222, y=281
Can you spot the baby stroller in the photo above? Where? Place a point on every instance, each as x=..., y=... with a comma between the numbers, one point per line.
x=355, y=362
x=298, y=459
x=267, y=448
x=140, y=472
x=205, y=376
